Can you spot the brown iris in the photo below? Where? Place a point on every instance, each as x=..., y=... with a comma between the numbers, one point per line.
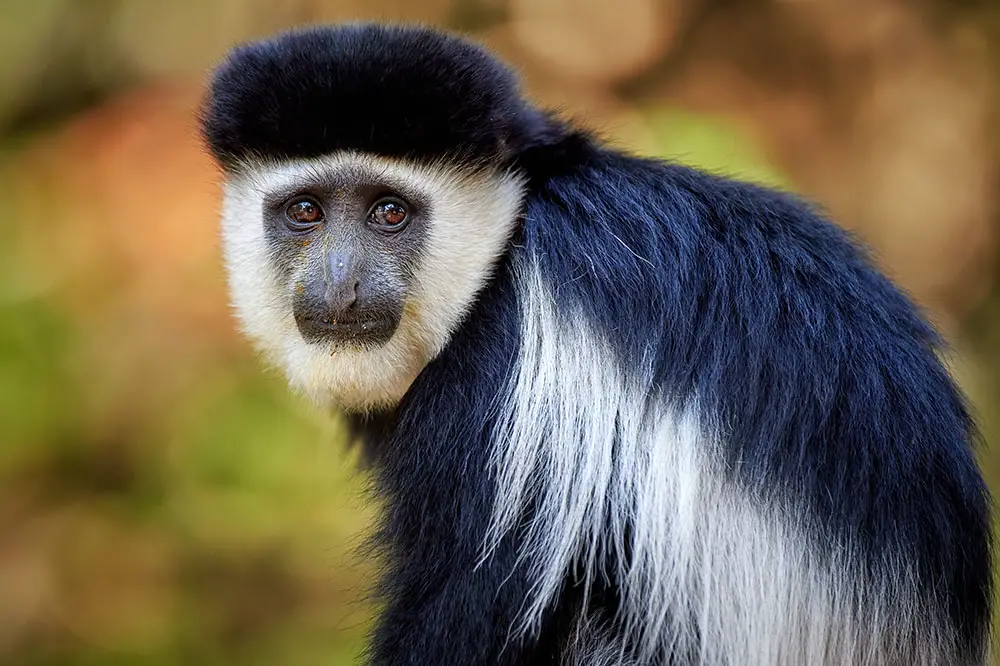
x=303, y=214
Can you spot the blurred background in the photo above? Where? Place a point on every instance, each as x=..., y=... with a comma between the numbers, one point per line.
x=163, y=500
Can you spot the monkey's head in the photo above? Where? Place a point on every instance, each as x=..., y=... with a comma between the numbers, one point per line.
x=368, y=192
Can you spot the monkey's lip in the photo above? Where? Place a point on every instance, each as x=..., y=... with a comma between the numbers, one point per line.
x=363, y=324
x=353, y=330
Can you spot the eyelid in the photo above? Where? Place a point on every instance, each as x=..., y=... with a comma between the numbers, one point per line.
x=299, y=198
x=278, y=200
x=392, y=197
x=305, y=199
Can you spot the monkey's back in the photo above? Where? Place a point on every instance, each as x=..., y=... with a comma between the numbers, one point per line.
x=737, y=369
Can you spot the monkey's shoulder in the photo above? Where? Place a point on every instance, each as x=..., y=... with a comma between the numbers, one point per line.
x=637, y=235
x=587, y=189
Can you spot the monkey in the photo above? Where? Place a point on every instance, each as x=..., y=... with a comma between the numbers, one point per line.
x=618, y=410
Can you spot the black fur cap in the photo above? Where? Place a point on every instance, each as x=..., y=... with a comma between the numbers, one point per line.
x=398, y=91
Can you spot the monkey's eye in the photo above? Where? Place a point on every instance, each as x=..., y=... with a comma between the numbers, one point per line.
x=303, y=214
x=389, y=214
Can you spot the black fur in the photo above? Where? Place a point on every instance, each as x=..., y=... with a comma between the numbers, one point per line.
x=395, y=91
x=823, y=374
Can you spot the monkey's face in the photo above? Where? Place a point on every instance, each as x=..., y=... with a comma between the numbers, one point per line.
x=351, y=271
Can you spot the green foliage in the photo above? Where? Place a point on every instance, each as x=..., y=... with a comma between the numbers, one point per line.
x=213, y=529
x=716, y=145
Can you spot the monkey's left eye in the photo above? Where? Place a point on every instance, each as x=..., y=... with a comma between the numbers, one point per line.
x=389, y=214
x=303, y=214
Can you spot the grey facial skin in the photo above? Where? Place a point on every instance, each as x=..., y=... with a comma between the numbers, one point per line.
x=349, y=270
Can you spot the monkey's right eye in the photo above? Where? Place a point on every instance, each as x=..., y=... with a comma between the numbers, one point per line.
x=303, y=214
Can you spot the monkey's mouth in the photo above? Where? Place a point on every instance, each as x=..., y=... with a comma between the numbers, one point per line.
x=353, y=331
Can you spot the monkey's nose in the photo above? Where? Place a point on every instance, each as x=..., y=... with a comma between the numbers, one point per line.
x=342, y=283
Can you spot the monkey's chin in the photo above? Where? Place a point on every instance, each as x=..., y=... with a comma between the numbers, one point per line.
x=353, y=373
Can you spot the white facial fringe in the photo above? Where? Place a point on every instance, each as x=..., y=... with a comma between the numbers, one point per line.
x=473, y=216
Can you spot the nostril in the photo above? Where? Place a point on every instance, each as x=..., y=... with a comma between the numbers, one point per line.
x=342, y=296
x=350, y=296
